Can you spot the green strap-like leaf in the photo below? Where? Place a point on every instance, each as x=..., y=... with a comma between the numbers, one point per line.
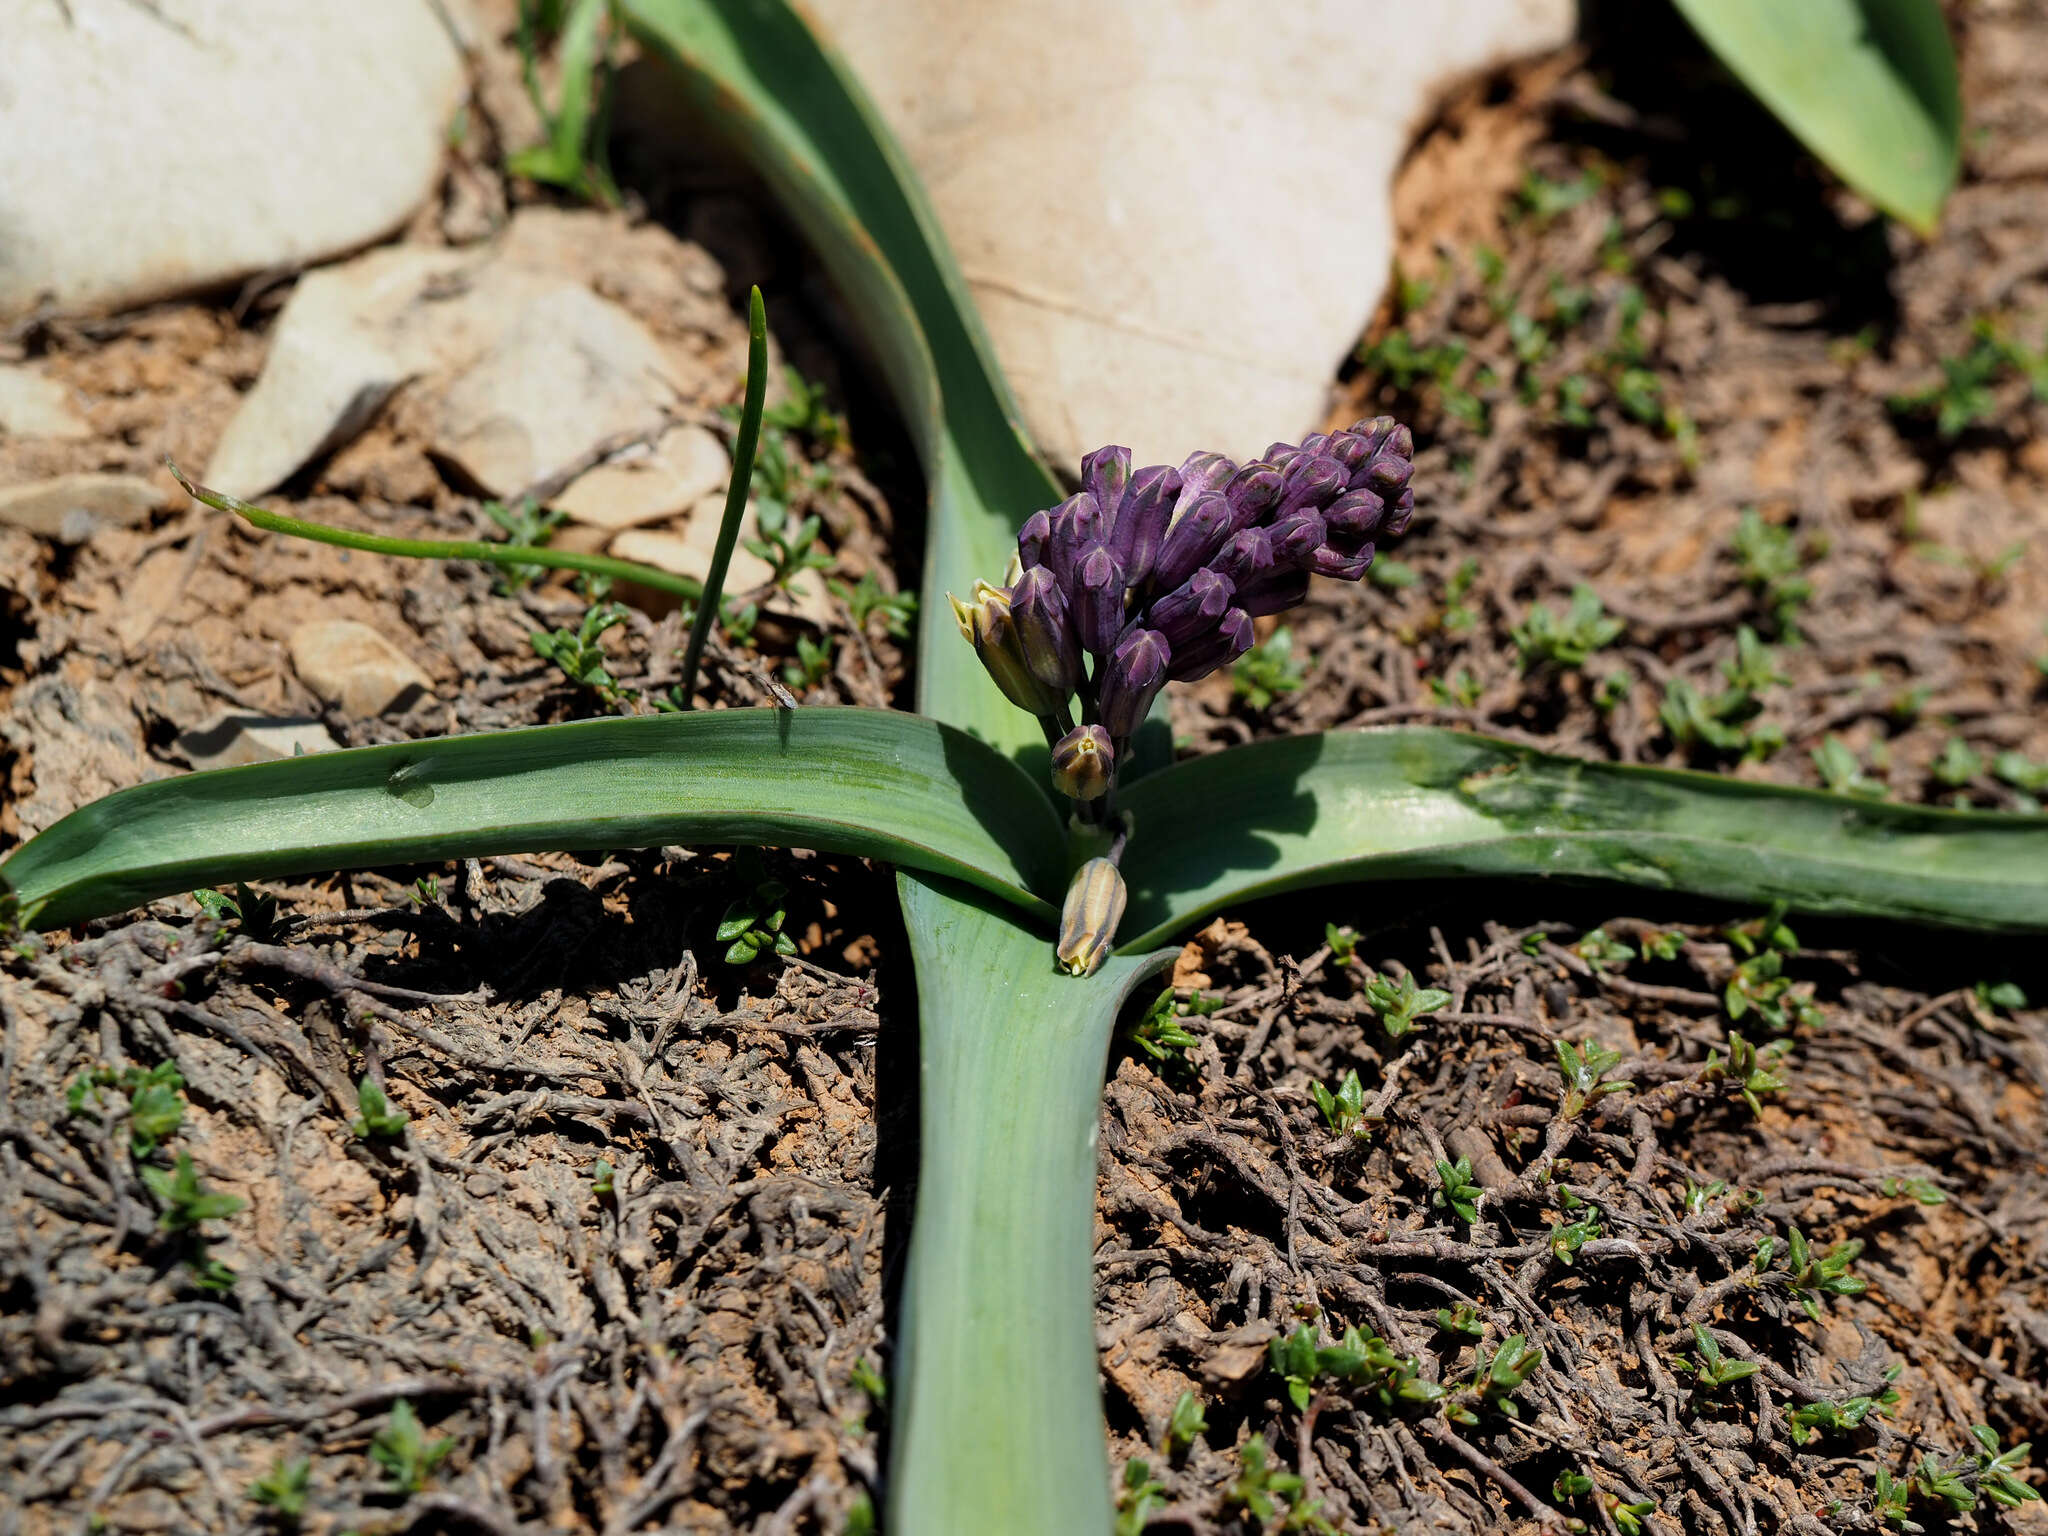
x=889, y=786
x=1867, y=85
x=1422, y=803
x=757, y=71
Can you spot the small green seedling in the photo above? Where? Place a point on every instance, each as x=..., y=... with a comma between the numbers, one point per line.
x=860, y=1515
x=1759, y=985
x=579, y=653
x=1603, y=952
x=1841, y=771
x=1160, y=1034
x=868, y=1380
x=1765, y=932
x=1663, y=944
x=1343, y=943
x=1460, y=689
x=1585, y=1070
x=1771, y=561
x=1813, y=1276
x=1945, y=1482
x=573, y=155
x=402, y=1449
x=1958, y=764
x=527, y=523
x=1344, y=1110
x=1267, y=1493
x=1268, y=670
x=1567, y=639
x=1185, y=1423
x=1394, y=575
x=1139, y=1496
x=1458, y=616
x=1457, y=1191
x=1925, y=1191
x=790, y=548
x=1752, y=1071
x=1399, y=1002
x=1567, y=1238
x=285, y=1488
x=1891, y=1503
x=1462, y=1319
x=1712, y=1369
x=813, y=663
x=1699, y=1196
x=251, y=915
x=1496, y=1378
x=1997, y=1471
x=868, y=600
x=802, y=410
x=1362, y=1360
x=378, y=1118
x=156, y=1107
x=2005, y=996
x=184, y=1201
x=1809, y=1421
x=753, y=923
x=604, y=1179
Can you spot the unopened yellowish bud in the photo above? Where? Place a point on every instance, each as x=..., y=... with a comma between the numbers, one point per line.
x=1095, y=905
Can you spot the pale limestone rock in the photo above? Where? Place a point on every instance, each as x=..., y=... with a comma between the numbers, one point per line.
x=162, y=147
x=35, y=405
x=1174, y=218
x=570, y=371
x=231, y=740
x=71, y=507
x=645, y=487
x=351, y=665
x=688, y=551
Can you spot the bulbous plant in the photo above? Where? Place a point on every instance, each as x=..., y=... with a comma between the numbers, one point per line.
x=996, y=1421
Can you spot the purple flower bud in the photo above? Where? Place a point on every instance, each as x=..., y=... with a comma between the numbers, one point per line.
x=1379, y=432
x=1246, y=555
x=1077, y=522
x=1315, y=442
x=1354, y=514
x=1332, y=562
x=1275, y=592
x=1201, y=473
x=1191, y=610
x=1294, y=539
x=1136, y=673
x=1311, y=482
x=1253, y=492
x=1082, y=762
x=1189, y=543
x=1351, y=451
x=1045, y=630
x=1135, y=536
x=1404, y=514
x=1033, y=538
x=1104, y=473
x=1231, y=638
x=1387, y=474
x=1098, y=605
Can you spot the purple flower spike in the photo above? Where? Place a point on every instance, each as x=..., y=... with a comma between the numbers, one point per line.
x=1076, y=523
x=1136, y=673
x=1140, y=527
x=1098, y=605
x=1253, y=492
x=1104, y=474
x=1190, y=611
x=1275, y=592
x=1246, y=556
x=1190, y=542
x=1038, y=609
x=1231, y=638
x=1033, y=538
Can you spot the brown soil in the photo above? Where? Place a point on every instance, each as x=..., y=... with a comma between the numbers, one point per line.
x=682, y=1351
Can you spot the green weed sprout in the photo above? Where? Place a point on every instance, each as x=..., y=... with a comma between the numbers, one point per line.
x=1399, y=1002
x=1269, y=670
x=1565, y=640
x=1712, y=1369
x=1344, y=1110
x=378, y=1118
x=285, y=1489
x=1457, y=1191
x=402, y=1449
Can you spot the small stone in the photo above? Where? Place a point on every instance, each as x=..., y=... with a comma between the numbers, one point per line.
x=231, y=740
x=33, y=405
x=666, y=481
x=571, y=371
x=70, y=507
x=351, y=665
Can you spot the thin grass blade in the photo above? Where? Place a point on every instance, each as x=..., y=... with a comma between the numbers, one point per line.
x=889, y=786
x=744, y=444
x=1424, y=803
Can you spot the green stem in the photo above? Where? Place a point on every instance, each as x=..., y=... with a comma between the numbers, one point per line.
x=997, y=1410
x=743, y=447
x=440, y=549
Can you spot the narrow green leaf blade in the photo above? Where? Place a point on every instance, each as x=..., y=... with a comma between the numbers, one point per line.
x=996, y=1399
x=1868, y=85
x=873, y=782
x=1424, y=803
x=755, y=68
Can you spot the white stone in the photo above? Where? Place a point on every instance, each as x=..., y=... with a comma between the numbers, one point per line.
x=35, y=405
x=71, y=507
x=161, y=147
x=1174, y=218
x=662, y=481
x=571, y=371
x=351, y=665
x=233, y=740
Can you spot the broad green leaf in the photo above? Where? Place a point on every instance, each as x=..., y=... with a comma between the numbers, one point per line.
x=890, y=786
x=1424, y=803
x=996, y=1414
x=1868, y=85
x=755, y=70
